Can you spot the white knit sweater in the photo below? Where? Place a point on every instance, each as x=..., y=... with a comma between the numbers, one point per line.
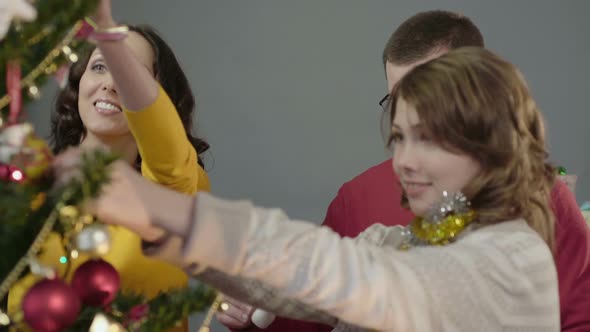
x=494, y=278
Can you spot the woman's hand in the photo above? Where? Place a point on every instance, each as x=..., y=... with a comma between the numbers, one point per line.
x=103, y=15
x=234, y=314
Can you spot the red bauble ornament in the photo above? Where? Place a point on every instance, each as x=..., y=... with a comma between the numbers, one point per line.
x=10, y=173
x=51, y=305
x=96, y=282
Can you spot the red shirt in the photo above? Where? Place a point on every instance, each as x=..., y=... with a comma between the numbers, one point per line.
x=374, y=197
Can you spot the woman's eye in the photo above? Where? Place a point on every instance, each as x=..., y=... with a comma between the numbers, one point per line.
x=98, y=67
x=395, y=138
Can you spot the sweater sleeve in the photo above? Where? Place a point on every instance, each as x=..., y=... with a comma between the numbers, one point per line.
x=168, y=157
x=482, y=282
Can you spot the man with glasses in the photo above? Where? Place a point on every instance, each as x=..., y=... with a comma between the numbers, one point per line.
x=370, y=198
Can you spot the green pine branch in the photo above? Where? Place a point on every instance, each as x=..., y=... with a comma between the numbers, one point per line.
x=19, y=224
x=168, y=309
x=165, y=311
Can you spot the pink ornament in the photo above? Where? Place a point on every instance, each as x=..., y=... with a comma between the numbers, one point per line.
x=96, y=282
x=9, y=173
x=51, y=305
x=85, y=30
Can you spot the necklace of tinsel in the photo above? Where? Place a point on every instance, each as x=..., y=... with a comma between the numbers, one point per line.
x=441, y=225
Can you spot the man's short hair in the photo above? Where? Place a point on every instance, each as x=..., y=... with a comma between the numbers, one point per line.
x=427, y=32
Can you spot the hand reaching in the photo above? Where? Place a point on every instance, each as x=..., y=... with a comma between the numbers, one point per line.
x=235, y=314
x=103, y=15
x=125, y=201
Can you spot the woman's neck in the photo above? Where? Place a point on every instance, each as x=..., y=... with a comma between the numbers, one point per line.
x=125, y=145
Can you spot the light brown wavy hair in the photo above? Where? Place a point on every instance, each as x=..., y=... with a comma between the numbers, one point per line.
x=471, y=101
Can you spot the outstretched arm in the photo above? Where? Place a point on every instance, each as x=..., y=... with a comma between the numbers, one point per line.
x=135, y=83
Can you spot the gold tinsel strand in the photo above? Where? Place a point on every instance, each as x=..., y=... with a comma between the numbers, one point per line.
x=205, y=326
x=443, y=232
x=32, y=252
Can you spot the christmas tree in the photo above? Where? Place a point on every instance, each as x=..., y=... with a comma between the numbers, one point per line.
x=37, y=42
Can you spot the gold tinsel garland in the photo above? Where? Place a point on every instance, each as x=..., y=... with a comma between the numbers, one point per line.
x=445, y=231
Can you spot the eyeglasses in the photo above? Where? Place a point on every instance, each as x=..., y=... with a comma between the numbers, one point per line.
x=385, y=102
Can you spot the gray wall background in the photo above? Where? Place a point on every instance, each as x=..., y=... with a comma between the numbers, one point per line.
x=287, y=91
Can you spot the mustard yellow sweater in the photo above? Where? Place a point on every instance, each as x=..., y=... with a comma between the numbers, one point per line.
x=168, y=158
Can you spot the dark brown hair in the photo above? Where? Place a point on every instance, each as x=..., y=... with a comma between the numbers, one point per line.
x=427, y=32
